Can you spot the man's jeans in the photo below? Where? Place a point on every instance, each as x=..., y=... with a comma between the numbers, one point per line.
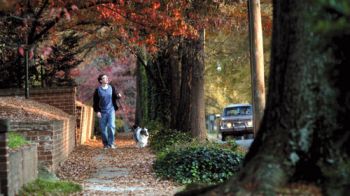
x=107, y=126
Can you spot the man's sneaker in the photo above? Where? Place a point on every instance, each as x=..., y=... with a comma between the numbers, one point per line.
x=105, y=147
x=113, y=146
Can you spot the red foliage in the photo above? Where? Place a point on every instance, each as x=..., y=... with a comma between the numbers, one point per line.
x=59, y=74
x=148, y=22
x=21, y=50
x=74, y=72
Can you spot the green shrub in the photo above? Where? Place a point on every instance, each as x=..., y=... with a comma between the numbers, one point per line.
x=232, y=145
x=161, y=137
x=164, y=139
x=199, y=164
x=154, y=126
x=16, y=140
x=49, y=187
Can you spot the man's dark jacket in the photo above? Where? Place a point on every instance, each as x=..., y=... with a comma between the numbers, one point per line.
x=96, y=103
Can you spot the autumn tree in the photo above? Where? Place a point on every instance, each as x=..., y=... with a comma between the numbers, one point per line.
x=60, y=67
x=143, y=27
x=149, y=24
x=207, y=16
x=159, y=68
x=304, y=135
x=140, y=23
x=26, y=24
x=11, y=63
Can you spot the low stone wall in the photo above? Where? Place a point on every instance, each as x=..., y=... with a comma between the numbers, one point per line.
x=23, y=167
x=17, y=167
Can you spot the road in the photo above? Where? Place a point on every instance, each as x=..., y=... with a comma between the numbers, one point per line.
x=245, y=143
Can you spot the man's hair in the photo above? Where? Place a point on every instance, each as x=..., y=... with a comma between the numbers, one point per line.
x=99, y=78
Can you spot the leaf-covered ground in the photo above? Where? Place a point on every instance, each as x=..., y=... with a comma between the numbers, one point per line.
x=126, y=170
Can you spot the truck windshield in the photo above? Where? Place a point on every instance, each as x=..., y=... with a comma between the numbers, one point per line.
x=237, y=111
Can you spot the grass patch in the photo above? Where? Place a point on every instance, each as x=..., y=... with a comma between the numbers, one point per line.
x=16, y=140
x=49, y=187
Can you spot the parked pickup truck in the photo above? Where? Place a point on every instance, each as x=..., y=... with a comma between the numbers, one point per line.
x=236, y=120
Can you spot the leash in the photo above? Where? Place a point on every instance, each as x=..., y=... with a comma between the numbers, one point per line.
x=125, y=125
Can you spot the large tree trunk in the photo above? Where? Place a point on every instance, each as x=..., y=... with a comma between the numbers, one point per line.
x=163, y=85
x=304, y=135
x=190, y=114
x=197, y=114
x=139, y=110
x=159, y=88
x=169, y=88
x=141, y=114
x=175, y=72
x=182, y=121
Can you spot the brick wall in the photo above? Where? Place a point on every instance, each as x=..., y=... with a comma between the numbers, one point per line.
x=4, y=161
x=63, y=98
x=60, y=97
x=85, y=122
x=56, y=139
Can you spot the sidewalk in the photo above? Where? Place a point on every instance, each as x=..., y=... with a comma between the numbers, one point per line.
x=126, y=170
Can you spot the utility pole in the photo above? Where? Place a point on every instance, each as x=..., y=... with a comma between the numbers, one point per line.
x=256, y=63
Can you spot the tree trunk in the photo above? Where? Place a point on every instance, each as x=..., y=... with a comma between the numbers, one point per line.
x=182, y=121
x=164, y=81
x=175, y=74
x=197, y=114
x=141, y=90
x=191, y=106
x=138, y=109
x=304, y=135
x=159, y=88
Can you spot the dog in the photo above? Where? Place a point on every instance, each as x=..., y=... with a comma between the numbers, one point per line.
x=141, y=137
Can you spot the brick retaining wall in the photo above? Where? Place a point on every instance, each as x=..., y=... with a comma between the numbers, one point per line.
x=56, y=139
x=60, y=97
x=63, y=98
x=4, y=160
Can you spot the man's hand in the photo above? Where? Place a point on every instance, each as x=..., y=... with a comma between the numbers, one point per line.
x=99, y=115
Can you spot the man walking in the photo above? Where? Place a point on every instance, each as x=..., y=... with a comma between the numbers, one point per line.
x=105, y=106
